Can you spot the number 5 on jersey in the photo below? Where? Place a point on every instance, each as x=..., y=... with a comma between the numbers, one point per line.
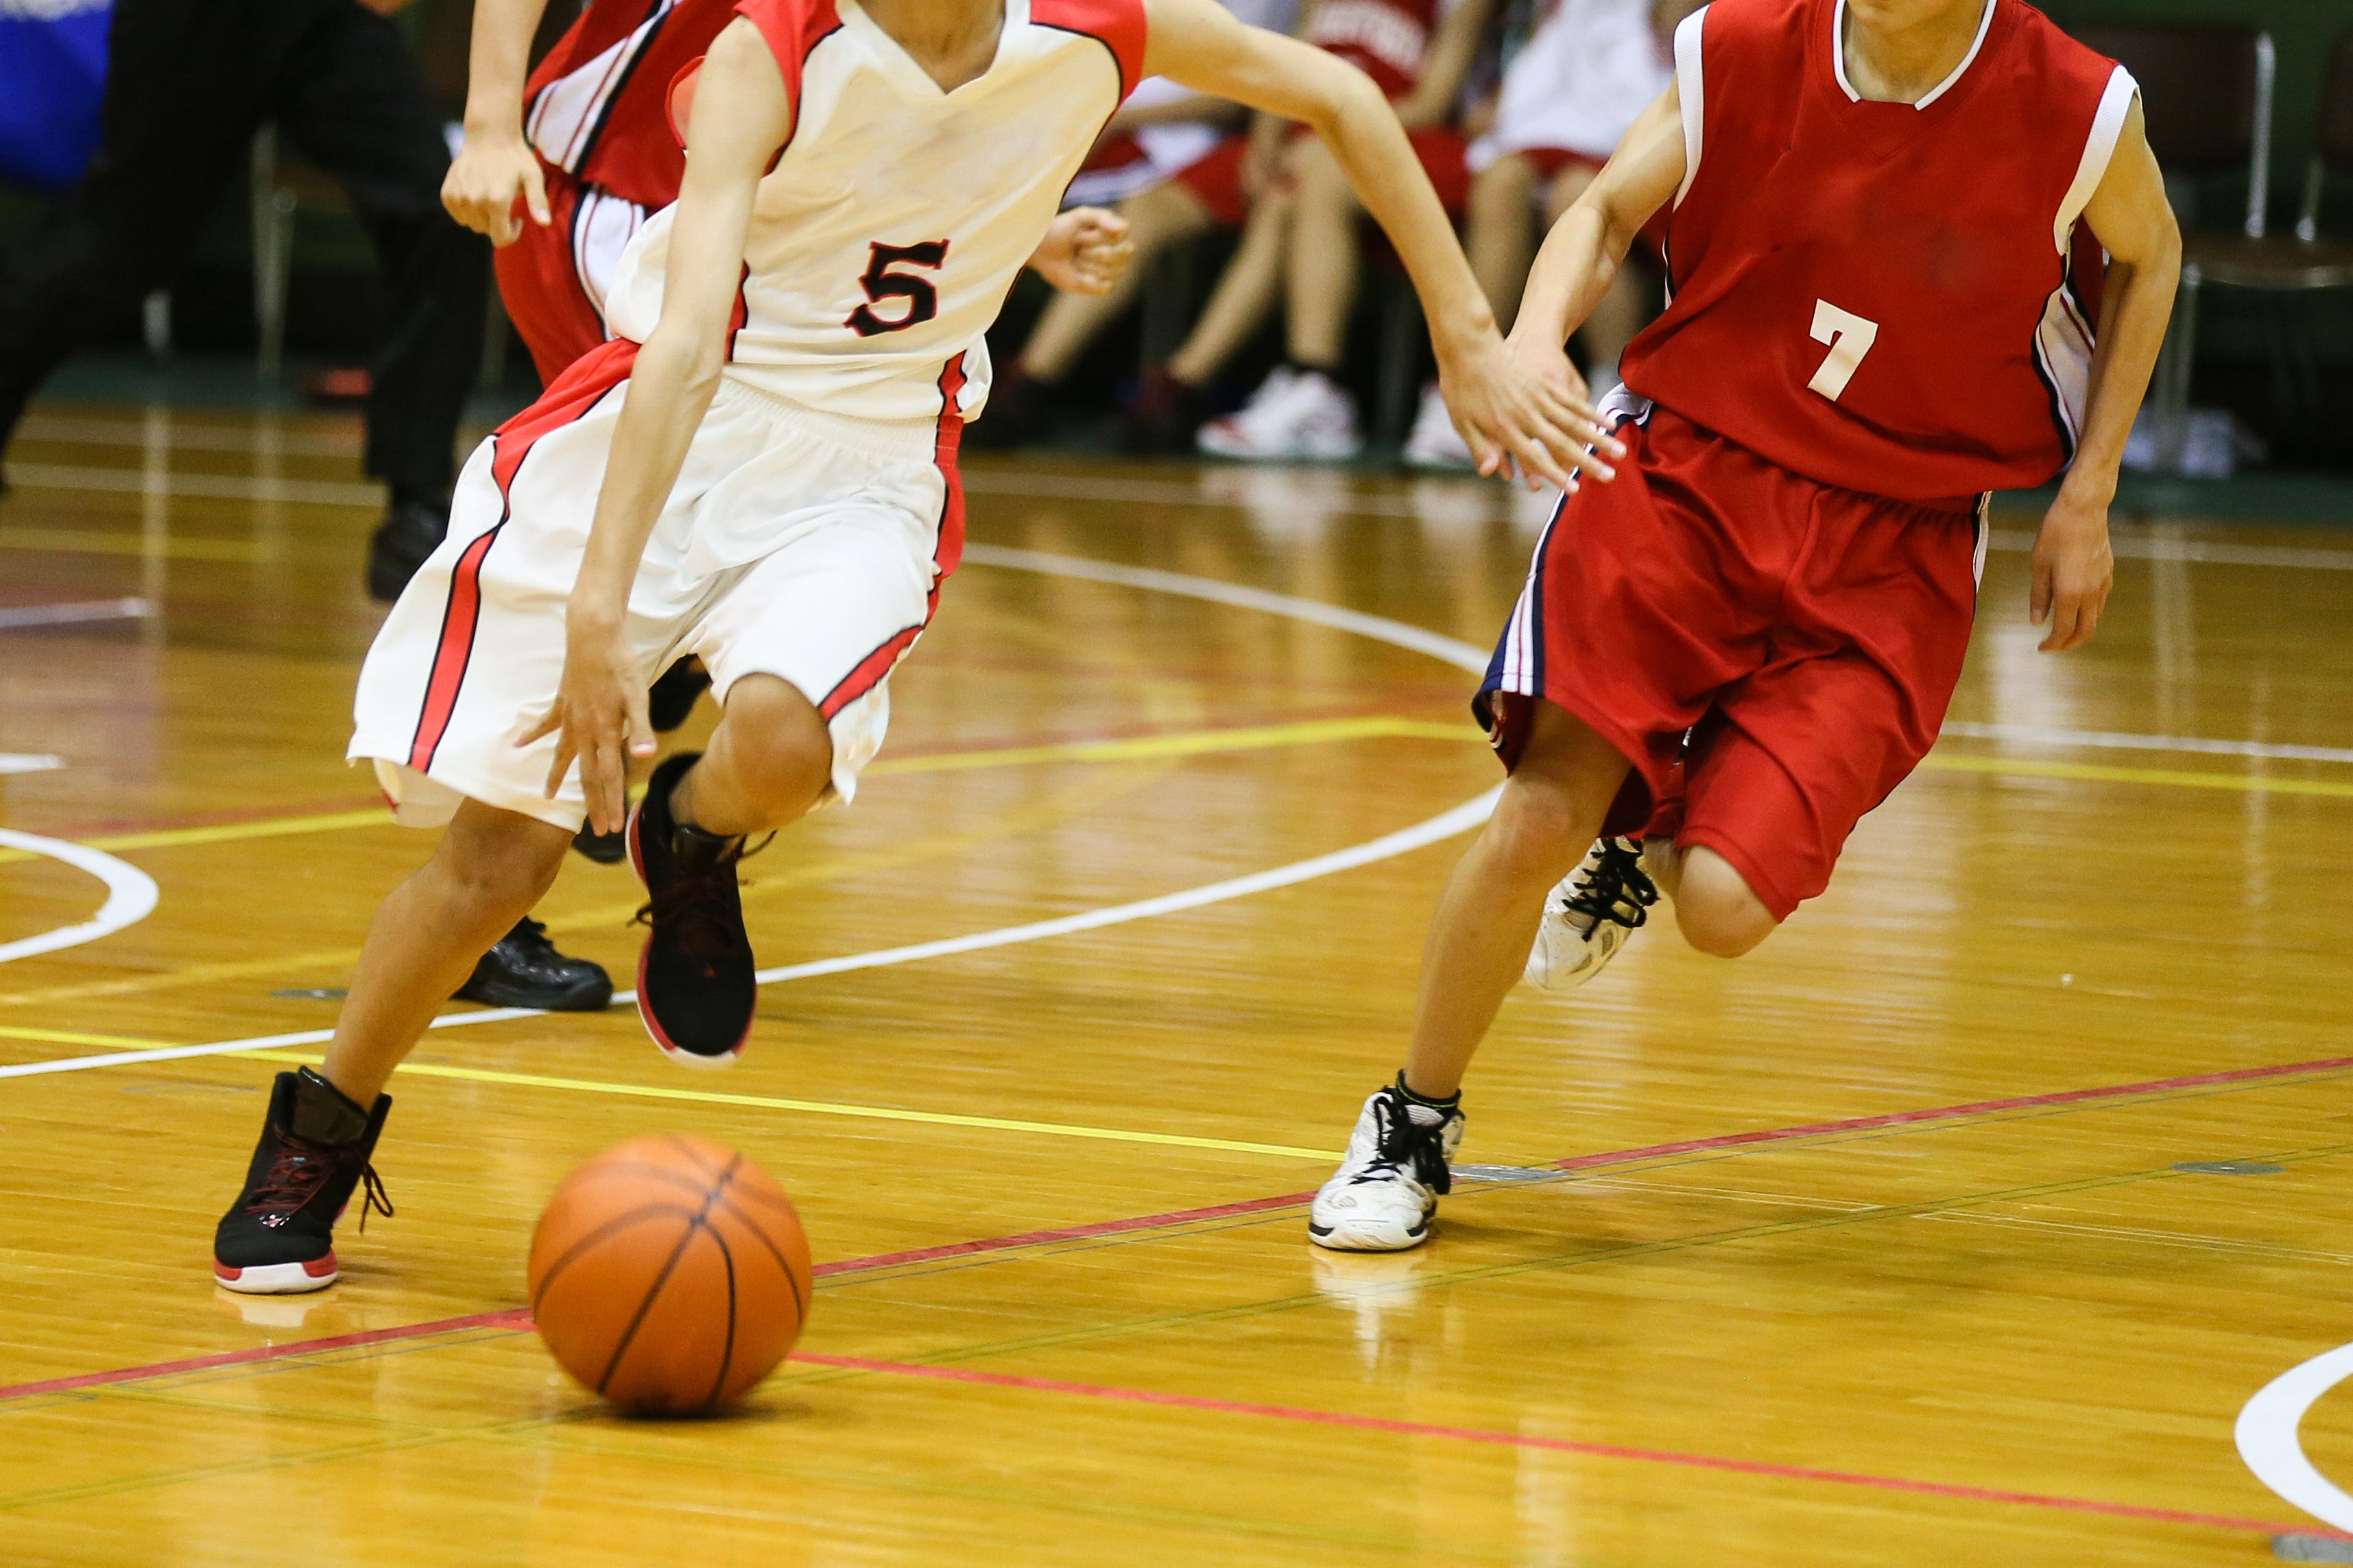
x=881, y=283
x=1849, y=337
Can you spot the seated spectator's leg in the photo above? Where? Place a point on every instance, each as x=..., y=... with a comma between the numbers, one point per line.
x=1325, y=261
x=1156, y=218
x=1251, y=284
x=1502, y=239
x=1623, y=311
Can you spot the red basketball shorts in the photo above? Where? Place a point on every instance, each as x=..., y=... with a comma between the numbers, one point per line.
x=550, y=278
x=1772, y=655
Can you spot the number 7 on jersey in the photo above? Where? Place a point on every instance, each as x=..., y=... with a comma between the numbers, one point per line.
x=1850, y=337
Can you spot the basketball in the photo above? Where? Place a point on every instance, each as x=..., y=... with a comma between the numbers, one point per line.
x=670, y=1274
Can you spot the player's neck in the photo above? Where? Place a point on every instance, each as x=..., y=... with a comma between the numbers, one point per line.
x=1897, y=51
x=953, y=40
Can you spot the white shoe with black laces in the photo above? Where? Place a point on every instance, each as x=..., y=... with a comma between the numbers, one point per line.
x=1386, y=1191
x=1589, y=917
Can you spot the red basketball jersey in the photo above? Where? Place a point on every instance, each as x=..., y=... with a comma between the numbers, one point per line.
x=1389, y=40
x=1883, y=296
x=597, y=107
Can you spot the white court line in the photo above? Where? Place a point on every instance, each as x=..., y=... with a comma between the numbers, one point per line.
x=16, y=615
x=1071, y=487
x=2041, y=737
x=2266, y=1435
x=130, y=894
x=30, y=762
x=1446, y=825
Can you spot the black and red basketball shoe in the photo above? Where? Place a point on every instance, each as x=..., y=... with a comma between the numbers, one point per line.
x=697, y=986
x=279, y=1237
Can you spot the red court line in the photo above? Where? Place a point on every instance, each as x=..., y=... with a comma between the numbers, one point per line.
x=1560, y=1444
x=1946, y=1114
x=520, y=1318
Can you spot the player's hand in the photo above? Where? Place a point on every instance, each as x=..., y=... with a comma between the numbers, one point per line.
x=1086, y=251
x=2074, y=570
x=1524, y=414
x=491, y=173
x=599, y=719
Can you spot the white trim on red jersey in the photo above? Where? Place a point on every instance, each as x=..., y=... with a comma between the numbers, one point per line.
x=2063, y=337
x=1691, y=91
x=2108, y=125
x=1838, y=56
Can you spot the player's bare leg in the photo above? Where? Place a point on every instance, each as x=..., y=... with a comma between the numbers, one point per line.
x=1248, y=288
x=768, y=762
x=1164, y=216
x=1387, y=1189
x=1717, y=911
x=1500, y=239
x=320, y=1129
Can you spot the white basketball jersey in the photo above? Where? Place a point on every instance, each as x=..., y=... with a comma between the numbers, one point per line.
x=884, y=240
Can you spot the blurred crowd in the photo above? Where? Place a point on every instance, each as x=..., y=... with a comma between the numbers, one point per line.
x=1512, y=107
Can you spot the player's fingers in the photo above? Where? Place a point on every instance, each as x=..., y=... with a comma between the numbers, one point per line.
x=2037, y=598
x=549, y=722
x=1537, y=461
x=535, y=193
x=1572, y=414
x=641, y=724
x=2065, y=609
x=560, y=766
x=1486, y=453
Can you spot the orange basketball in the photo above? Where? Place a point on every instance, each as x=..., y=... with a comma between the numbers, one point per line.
x=670, y=1274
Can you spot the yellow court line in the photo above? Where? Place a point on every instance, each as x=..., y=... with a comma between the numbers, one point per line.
x=2099, y=773
x=822, y=1107
x=87, y=541
x=1135, y=749
x=68, y=1038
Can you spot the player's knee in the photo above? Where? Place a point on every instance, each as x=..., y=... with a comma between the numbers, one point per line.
x=1543, y=826
x=1715, y=909
x=498, y=863
x=781, y=752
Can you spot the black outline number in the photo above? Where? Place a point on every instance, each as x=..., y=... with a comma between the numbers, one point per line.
x=880, y=283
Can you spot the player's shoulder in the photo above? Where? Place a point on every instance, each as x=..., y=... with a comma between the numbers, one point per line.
x=1118, y=25
x=1779, y=26
x=790, y=27
x=2043, y=48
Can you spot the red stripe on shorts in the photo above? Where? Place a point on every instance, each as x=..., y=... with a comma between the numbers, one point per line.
x=571, y=396
x=949, y=550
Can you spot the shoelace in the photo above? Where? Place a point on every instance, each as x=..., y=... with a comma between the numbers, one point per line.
x=1614, y=886
x=1405, y=1143
x=531, y=935
x=300, y=1168
x=695, y=906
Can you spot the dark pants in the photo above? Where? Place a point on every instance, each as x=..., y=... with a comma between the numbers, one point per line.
x=189, y=83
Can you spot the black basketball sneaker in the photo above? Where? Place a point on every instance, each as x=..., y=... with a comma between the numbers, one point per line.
x=524, y=970
x=696, y=984
x=670, y=703
x=279, y=1237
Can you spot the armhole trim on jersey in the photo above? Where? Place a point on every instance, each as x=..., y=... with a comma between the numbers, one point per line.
x=793, y=29
x=1691, y=91
x=2099, y=148
x=1118, y=25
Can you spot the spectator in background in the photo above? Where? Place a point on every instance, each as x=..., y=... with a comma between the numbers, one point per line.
x=189, y=83
x=1171, y=161
x=1568, y=96
x=1302, y=244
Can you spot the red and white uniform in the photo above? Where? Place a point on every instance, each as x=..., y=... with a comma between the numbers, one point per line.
x=595, y=111
x=1588, y=69
x=818, y=507
x=1389, y=41
x=1876, y=318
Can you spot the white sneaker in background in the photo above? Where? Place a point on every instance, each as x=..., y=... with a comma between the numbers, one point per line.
x=1386, y=1191
x=1589, y=915
x=1295, y=415
x=1435, y=443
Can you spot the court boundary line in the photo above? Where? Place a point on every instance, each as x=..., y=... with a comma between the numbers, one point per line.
x=2268, y=1435
x=130, y=894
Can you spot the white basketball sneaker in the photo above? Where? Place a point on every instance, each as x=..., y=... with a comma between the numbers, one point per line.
x=1589, y=917
x=1294, y=415
x=1435, y=443
x=1386, y=1191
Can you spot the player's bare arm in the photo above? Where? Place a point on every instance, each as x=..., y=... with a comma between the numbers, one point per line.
x=496, y=167
x=1512, y=421
x=1582, y=254
x=741, y=115
x=2073, y=567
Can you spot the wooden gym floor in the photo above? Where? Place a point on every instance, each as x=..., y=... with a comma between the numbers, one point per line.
x=1884, y=1246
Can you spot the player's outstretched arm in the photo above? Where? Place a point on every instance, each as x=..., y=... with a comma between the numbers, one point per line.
x=1510, y=418
x=2073, y=567
x=1086, y=251
x=495, y=168
x=740, y=118
x=1582, y=254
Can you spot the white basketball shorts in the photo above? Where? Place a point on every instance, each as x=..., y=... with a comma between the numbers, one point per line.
x=795, y=544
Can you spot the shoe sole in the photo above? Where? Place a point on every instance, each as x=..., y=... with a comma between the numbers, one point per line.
x=663, y=1042
x=277, y=1279
x=1334, y=1238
